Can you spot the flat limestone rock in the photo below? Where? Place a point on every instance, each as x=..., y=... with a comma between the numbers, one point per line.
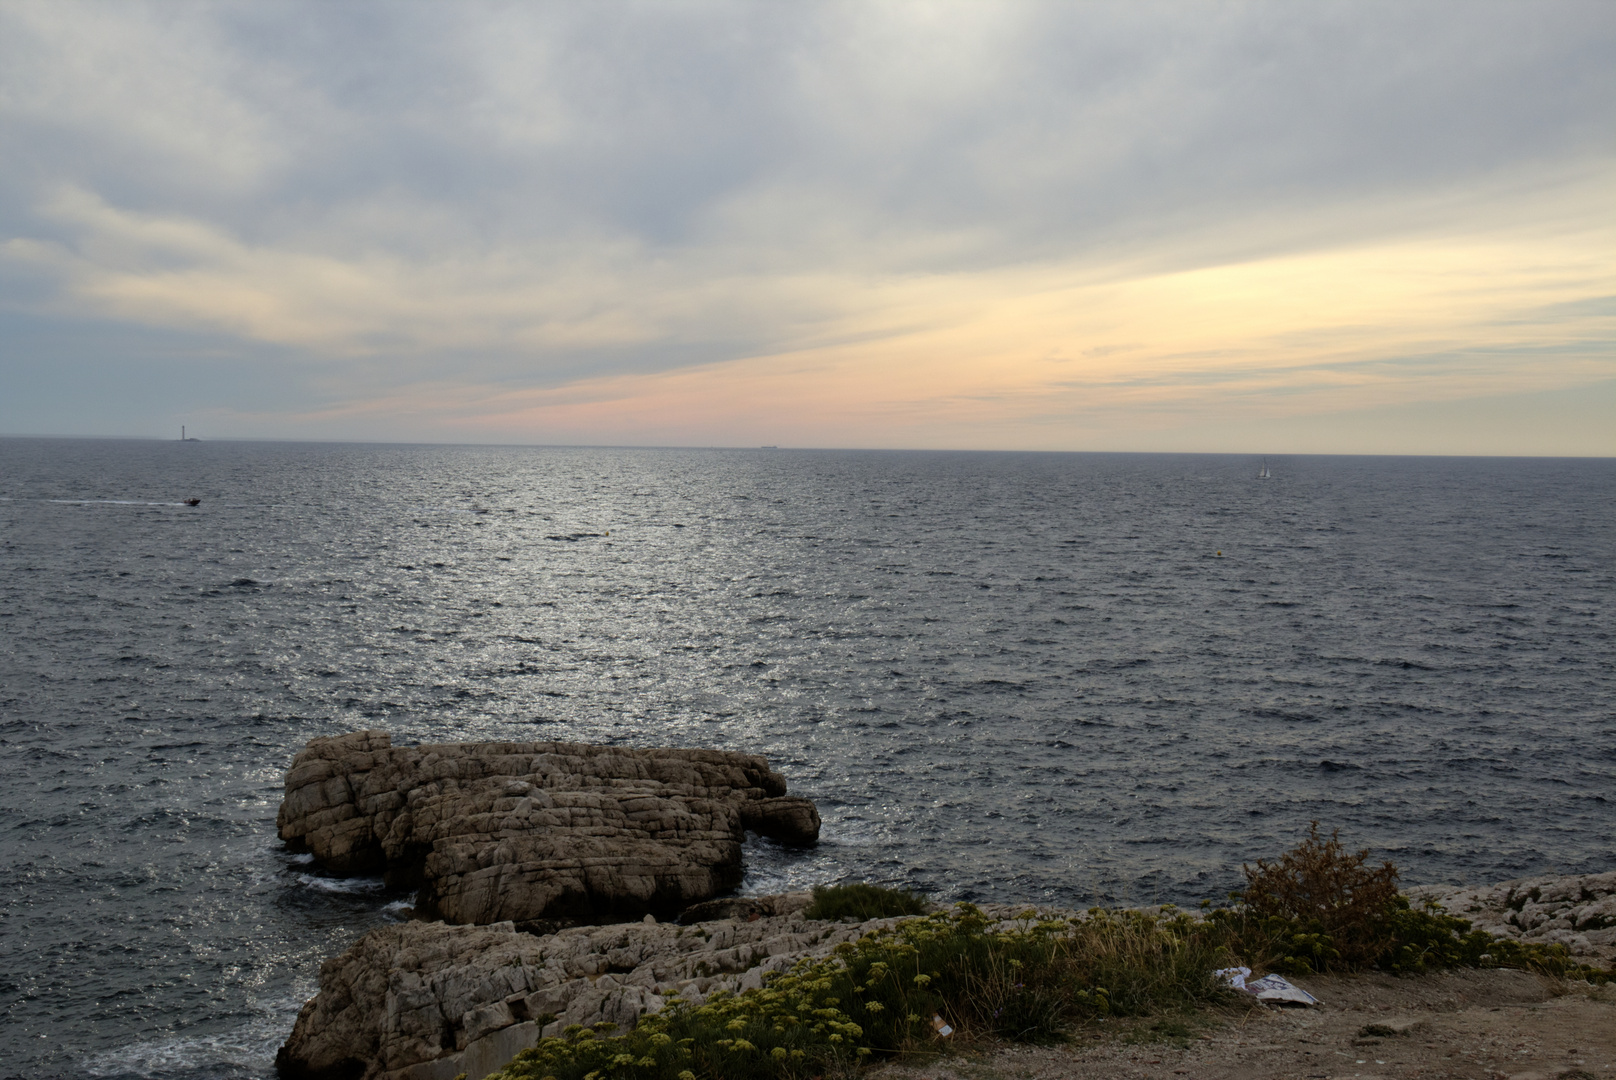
x=536, y=832
x=429, y=1001
x=1575, y=910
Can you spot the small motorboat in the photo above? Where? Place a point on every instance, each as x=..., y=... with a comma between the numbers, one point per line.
x=193, y=502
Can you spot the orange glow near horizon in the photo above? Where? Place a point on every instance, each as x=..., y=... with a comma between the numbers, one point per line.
x=1020, y=351
x=1029, y=356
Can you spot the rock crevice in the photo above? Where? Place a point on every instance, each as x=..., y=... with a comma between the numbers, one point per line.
x=1577, y=911
x=429, y=1001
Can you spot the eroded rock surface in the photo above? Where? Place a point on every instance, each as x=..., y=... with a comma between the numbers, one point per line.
x=429, y=1001
x=527, y=832
x=1577, y=911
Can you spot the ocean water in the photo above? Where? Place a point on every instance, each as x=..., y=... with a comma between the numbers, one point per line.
x=1049, y=677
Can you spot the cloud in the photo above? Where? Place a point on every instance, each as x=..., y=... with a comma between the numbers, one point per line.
x=1026, y=358
x=867, y=222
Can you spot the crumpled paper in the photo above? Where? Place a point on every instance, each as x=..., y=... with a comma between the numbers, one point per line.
x=1270, y=989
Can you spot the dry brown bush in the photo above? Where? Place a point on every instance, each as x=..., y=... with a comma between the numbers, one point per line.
x=1320, y=882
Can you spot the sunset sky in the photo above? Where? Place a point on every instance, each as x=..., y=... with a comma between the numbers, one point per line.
x=1248, y=227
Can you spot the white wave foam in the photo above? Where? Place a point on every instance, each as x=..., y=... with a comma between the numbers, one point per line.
x=110, y=502
x=342, y=885
x=249, y=1047
x=771, y=868
x=854, y=833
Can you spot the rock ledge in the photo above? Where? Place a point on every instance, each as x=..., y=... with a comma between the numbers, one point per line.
x=429, y=1001
x=1577, y=911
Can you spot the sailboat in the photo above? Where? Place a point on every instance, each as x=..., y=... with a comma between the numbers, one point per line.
x=1264, y=474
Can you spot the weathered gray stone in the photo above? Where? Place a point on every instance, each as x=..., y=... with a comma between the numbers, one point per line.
x=1577, y=911
x=428, y=1001
x=537, y=831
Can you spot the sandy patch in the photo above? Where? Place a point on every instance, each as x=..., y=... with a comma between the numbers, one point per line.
x=1476, y=1025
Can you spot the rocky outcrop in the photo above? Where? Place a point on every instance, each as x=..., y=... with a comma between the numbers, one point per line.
x=1578, y=911
x=536, y=832
x=429, y=1001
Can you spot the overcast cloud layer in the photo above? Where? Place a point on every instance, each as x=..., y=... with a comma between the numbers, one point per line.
x=1265, y=227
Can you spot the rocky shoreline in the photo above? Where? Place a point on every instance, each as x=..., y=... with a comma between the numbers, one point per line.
x=429, y=1001
x=521, y=838
x=1577, y=911
x=510, y=847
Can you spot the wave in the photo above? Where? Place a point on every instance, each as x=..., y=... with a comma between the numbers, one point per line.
x=245, y=1050
x=342, y=885
x=110, y=502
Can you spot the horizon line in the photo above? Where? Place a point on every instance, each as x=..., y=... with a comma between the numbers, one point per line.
x=809, y=449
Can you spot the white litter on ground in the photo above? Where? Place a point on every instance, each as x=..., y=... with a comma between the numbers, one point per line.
x=1271, y=989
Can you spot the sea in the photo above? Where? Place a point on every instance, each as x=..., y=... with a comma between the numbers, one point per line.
x=1055, y=678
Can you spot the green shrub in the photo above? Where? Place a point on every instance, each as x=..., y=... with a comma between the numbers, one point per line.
x=1319, y=908
x=1428, y=937
x=1324, y=906
x=862, y=902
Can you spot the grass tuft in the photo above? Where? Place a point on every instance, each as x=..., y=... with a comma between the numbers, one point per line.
x=862, y=902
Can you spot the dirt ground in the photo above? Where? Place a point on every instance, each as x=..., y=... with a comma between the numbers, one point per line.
x=1464, y=1024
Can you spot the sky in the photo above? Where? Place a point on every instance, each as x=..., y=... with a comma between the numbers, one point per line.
x=1282, y=227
